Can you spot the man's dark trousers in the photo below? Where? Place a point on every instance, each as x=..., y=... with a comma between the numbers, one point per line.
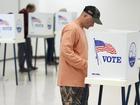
x=50, y=50
x=85, y=95
x=25, y=53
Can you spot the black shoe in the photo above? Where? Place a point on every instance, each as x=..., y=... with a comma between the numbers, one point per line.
x=23, y=70
x=49, y=63
x=52, y=63
x=33, y=68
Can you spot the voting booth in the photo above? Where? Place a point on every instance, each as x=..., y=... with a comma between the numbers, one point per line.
x=11, y=28
x=11, y=31
x=61, y=19
x=41, y=25
x=113, y=55
x=113, y=61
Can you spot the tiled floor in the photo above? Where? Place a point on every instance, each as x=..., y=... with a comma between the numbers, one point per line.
x=43, y=90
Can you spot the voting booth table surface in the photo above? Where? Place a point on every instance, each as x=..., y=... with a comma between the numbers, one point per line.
x=113, y=61
x=11, y=32
x=41, y=25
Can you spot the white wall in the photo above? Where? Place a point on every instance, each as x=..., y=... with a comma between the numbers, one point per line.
x=55, y=5
x=121, y=14
x=7, y=6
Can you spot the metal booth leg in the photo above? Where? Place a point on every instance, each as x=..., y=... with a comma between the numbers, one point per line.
x=14, y=48
x=128, y=94
x=55, y=56
x=45, y=51
x=123, y=95
x=125, y=101
x=36, y=52
x=137, y=86
x=100, y=95
x=137, y=99
x=4, y=59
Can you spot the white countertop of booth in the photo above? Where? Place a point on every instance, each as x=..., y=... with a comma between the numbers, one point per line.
x=41, y=36
x=11, y=41
x=105, y=81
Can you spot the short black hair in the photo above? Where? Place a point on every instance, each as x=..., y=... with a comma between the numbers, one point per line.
x=30, y=6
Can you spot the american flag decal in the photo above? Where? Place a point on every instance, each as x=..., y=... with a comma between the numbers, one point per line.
x=34, y=19
x=62, y=17
x=101, y=46
x=3, y=22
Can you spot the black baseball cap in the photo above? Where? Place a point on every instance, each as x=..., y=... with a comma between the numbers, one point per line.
x=94, y=12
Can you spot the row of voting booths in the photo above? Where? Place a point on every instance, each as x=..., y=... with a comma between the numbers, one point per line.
x=49, y=26
x=41, y=25
x=113, y=55
x=114, y=61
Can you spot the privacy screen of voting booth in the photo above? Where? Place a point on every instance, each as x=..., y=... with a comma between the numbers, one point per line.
x=113, y=55
x=11, y=28
x=61, y=19
x=41, y=25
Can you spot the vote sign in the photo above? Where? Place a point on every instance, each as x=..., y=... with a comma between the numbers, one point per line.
x=113, y=55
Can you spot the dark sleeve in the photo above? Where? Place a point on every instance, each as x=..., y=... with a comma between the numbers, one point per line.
x=25, y=13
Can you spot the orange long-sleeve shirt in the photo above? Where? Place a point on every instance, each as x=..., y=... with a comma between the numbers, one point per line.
x=73, y=56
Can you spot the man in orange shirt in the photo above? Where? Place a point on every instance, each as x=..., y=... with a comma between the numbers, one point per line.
x=74, y=55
